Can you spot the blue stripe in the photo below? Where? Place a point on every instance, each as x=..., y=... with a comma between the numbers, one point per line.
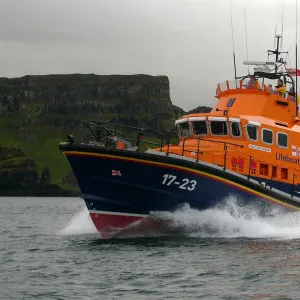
x=140, y=188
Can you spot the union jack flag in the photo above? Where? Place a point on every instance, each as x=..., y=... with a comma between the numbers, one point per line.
x=116, y=173
x=293, y=72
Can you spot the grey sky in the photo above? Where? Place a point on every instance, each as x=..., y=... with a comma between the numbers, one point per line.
x=187, y=40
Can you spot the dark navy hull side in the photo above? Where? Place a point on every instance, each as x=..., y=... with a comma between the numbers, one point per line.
x=124, y=183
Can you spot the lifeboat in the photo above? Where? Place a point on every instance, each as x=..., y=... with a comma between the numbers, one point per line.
x=247, y=147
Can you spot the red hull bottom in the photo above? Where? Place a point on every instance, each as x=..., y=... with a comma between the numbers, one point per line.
x=120, y=225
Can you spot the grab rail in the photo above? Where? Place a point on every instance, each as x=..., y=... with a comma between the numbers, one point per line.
x=111, y=130
x=232, y=146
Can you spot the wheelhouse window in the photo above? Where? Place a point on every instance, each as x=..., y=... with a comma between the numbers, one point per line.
x=200, y=127
x=235, y=129
x=282, y=140
x=267, y=136
x=184, y=129
x=218, y=127
x=230, y=102
x=252, y=132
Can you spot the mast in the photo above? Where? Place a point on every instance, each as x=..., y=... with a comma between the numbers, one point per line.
x=277, y=52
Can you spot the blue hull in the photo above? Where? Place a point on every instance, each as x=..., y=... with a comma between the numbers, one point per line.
x=134, y=183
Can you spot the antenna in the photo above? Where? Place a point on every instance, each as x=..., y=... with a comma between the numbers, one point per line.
x=275, y=36
x=234, y=65
x=282, y=25
x=281, y=42
x=277, y=52
x=296, y=94
x=246, y=35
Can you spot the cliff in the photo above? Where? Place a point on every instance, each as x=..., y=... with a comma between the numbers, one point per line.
x=37, y=112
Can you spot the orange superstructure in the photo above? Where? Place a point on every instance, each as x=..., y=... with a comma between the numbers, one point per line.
x=254, y=132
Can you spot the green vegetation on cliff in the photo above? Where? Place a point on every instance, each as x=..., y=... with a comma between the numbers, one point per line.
x=19, y=176
x=37, y=112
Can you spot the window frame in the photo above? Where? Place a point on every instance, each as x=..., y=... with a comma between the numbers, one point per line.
x=179, y=129
x=240, y=128
x=230, y=102
x=200, y=134
x=262, y=136
x=287, y=140
x=218, y=134
x=248, y=125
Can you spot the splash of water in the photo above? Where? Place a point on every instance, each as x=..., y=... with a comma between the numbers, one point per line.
x=229, y=221
x=81, y=223
x=233, y=221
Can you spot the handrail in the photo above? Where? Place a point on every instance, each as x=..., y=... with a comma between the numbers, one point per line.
x=268, y=176
x=228, y=146
x=166, y=135
x=113, y=133
x=210, y=140
x=114, y=124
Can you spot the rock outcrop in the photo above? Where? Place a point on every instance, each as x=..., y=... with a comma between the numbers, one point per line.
x=17, y=170
x=19, y=176
x=133, y=98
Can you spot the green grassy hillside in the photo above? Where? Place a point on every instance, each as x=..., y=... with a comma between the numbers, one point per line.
x=38, y=112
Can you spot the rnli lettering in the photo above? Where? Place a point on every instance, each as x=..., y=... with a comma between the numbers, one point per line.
x=286, y=158
x=255, y=147
x=184, y=184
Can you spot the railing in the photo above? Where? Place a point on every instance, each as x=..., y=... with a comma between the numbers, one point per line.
x=238, y=84
x=247, y=168
x=109, y=133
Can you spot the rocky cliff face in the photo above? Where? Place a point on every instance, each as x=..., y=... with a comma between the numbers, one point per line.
x=37, y=112
x=135, y=97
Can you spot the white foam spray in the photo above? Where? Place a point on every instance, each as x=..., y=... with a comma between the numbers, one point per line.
x=233, y=221
x=228, y=221
x=81, y=223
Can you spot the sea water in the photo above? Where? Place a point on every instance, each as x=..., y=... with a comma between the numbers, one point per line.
x=50, y=249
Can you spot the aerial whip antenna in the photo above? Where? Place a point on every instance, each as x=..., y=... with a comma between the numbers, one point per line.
x=275, y=36
x=282, y=30
x=234, y=65
x=296, y=95
x=274, y=43
x=282, y=25
x=246, y=36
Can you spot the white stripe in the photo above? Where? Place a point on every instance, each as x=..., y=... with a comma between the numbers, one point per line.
x=253, y=123
x=235, y=120
x=197, y=118
x=181, y=121
x=117, y=213
x=217, y=118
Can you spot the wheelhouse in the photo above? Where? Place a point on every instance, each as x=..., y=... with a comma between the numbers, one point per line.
x=209, y=126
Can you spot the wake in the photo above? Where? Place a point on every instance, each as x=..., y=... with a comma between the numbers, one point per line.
x=228, y=221
x=220, y=223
